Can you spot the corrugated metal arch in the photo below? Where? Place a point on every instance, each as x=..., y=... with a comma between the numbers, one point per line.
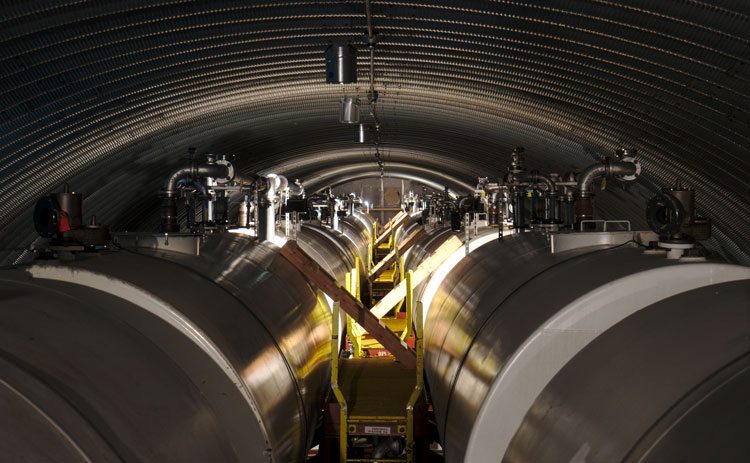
x=110, y=94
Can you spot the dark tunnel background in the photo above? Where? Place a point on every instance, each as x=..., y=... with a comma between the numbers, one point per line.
x=108, y=96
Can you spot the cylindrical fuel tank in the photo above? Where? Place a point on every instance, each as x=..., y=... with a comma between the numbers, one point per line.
x=336, y=251
x=149, y=355
x=435, y=238
x=424, y=249
x=411, y=225
x=357, y=229
x=592, y=354
x=334, y=254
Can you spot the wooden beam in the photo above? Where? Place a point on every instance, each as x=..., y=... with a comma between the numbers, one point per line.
x=381, y=228
x=393, y=256
x=388, y=224
x=402, y=219
x=349, y=304
x=424, y=270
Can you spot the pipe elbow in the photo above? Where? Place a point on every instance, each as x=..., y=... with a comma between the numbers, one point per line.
x=538, y=178
x=296, y=188
x=628, y=169
x=170, y=187
x=587, y=177
x=274, y=184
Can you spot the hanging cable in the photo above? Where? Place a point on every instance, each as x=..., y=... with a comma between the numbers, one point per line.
x=372, y=94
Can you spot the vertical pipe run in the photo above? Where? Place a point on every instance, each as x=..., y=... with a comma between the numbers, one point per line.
x=334, y=216
x=518, y=210
x=266, y=228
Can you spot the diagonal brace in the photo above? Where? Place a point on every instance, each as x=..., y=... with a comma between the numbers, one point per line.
x=393, y=256
x=385, y=236
x=424, y=270
x=349, y=304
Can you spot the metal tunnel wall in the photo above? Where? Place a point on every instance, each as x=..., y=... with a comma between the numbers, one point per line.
x=109, y=95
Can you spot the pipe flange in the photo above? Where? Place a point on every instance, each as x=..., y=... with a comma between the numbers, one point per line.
x=230, y=172
x=630, y=178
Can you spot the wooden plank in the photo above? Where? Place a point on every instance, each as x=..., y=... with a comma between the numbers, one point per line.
x=383, y=237
x=428, y=266
x=381, y=228
x=393, y=256
x=348, y=303
x=395, y=217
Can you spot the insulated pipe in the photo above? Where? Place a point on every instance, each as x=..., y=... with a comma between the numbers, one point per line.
x=607, y=168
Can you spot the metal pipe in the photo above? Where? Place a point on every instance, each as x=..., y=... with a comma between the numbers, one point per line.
x=334, y=207
x=274, y=184
x=194, y=171
x=519, y=213
x=462, y=201
x=536, y=178
x=266, y=228
x=608, y=168
x=352, y=202
x=296, y=188
x=245, y=179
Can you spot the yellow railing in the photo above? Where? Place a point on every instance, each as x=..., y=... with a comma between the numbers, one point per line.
x=409, y=306
x=335, y=383
x=418, y=388
x=352, y=328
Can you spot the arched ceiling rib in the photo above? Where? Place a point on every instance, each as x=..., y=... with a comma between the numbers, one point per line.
x=110, y=94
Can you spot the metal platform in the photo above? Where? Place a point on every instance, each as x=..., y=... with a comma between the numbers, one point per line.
x=363, y=383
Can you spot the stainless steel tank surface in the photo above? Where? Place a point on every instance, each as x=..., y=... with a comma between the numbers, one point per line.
x=435, y=238
x=592, y=354
x=356, y=230
x=150, y=355
x=334, y=254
